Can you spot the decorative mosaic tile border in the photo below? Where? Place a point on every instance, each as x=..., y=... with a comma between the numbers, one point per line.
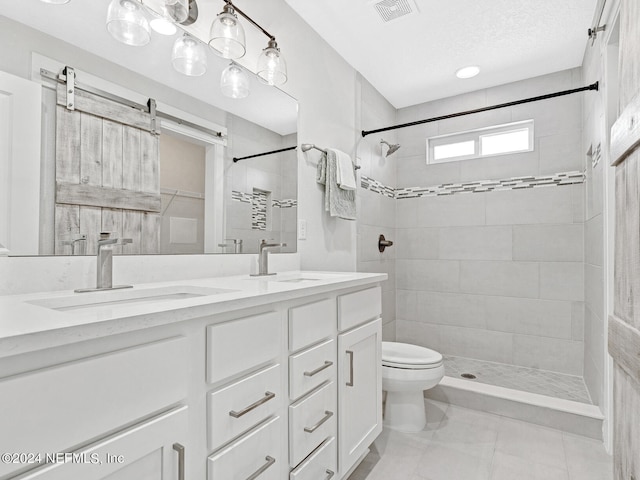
x=514, y=183
x=248, y=198
x=259, y=211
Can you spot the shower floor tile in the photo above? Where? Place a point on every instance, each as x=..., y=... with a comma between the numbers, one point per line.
x=552, y=384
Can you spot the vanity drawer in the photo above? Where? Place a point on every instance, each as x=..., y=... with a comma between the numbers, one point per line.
x=241, y=345
x=52, y=410
x=257, y=455
x=311, y=420
x=308, y=324
x=359, y=307
x=321, y=464
x=242, y=405
x=311, y=368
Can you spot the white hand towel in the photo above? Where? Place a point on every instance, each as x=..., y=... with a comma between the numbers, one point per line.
x=345, y=174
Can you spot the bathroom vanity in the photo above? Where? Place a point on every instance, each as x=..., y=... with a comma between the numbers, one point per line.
x=235, y=378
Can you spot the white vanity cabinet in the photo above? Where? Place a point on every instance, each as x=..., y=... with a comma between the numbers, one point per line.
x=359, y=375
x=283, y=385
x=148, y=451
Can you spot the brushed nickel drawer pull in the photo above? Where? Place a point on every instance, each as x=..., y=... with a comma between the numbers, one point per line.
x=327, y=416
x=260, y=471
x=180, y=449
x=330, y=475
x=350, y=382
x=327, y=364
x=267, y=396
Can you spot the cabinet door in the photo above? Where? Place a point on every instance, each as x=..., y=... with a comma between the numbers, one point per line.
x=359, y=391
x=152, y=450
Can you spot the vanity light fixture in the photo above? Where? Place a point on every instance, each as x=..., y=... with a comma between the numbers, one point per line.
x=177, y=10
x=234, y=82
x=227, y=39
x=189, y=56
x=127, y=24
x=468, y=72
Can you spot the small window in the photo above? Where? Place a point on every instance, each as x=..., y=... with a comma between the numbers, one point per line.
x=485, y=142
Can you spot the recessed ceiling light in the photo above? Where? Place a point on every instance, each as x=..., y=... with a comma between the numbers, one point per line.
x=468, y=72
x=163, y=26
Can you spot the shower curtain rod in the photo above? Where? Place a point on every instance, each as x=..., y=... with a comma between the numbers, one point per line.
x=235, y=159
x=593, y=86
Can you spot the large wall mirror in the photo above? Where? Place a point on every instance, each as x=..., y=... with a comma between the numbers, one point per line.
x=143, y=152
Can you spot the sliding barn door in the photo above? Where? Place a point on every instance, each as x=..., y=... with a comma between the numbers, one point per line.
x=107, y=175
x=624, y=325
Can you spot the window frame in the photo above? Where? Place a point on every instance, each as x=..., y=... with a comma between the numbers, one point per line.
x=476, y=136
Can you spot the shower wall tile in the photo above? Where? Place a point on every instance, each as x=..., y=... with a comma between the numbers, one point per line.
x=593, y=289
x=558, y=243
x=407, y=304
x=544, y=318
x=594, y=239
x=451, y=309
x=501, y=166
x=562, y=280
x=511, y=279
x=561, y=152
x=498, y=275
x=475, y=243
x=407, y=212
x=389, y=332
x=417, y=243
x=553, y=354
x=452, y=210
x=432, y=275
x=577, y=321
x=415, y=171
x=529, y=206
x=477, y=343
x=418, y=333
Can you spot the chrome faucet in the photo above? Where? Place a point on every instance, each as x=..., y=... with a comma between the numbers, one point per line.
x=105, y=264
x=236, y=243
x=263, y=258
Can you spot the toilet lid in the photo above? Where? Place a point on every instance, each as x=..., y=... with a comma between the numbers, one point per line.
x=404, y=354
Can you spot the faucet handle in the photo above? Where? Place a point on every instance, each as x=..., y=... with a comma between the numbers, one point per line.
x=124, y=241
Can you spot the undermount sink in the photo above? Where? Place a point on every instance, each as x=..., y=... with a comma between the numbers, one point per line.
x=97, y=301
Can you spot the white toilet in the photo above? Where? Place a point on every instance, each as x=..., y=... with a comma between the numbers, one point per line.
x=408, y=370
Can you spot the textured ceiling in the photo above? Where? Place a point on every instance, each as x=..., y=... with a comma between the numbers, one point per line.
x=413, y=59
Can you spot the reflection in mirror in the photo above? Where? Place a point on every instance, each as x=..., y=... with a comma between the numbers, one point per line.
x=188, y=186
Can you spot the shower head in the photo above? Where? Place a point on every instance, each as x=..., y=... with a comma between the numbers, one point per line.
x=393, y=148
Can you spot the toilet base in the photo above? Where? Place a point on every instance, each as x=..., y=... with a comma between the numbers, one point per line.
x=405, y=411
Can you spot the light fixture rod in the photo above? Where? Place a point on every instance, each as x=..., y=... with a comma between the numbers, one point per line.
x=593, y=86
x=249, y=19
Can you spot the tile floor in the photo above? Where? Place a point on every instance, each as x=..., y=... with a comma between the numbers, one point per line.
x=463, y=444
x=568, y=387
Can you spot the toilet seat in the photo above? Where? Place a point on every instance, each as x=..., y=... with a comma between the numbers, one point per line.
x=411, y=357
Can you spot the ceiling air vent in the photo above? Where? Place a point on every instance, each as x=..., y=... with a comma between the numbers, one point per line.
x=392, y=9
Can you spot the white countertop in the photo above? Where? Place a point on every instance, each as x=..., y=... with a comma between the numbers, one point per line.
x=42, y=320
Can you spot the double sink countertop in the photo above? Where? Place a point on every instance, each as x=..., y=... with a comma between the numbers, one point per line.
x=42, y=320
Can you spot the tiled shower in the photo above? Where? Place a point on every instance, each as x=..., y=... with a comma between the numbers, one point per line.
x=488, y=265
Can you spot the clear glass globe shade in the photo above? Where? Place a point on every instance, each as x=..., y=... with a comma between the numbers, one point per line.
x=272, y=69
x=227, y=36
x=177, y=10
x=234, y=82
x=189, y=57
x=127, y=24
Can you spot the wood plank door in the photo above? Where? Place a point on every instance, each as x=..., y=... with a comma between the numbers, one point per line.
x=107, y=175
x=624, y=324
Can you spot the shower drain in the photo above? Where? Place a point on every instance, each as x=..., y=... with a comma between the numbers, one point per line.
x=470, y=376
